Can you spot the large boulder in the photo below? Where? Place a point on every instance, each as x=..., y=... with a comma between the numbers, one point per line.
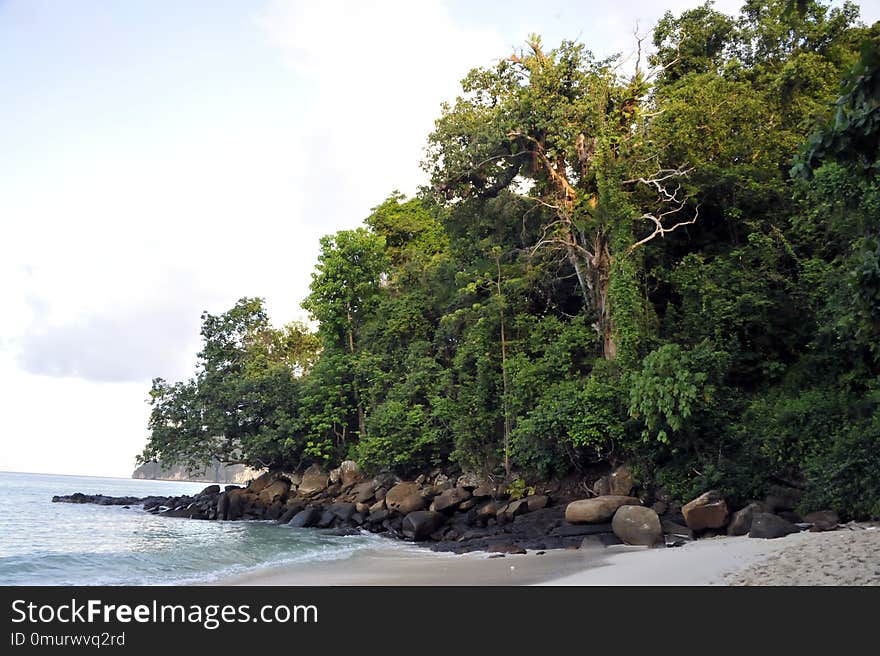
x=399, y=493
x=412, y=503
x=598, y=509
x=314, y=480
x=349, y=473
x=769, y=526
x=261, y=482
x=420, y=524
x=209, y=491
x=620, y=482
x=509, y=511
x=364, y=492
x=709, y=510
x=537, y=502
x=275, y=491
x=305, y=518
x=741, y=520
x=822, y=520
x=449, y=499
x=343, y=511
x=223, y=505
x=637, y=525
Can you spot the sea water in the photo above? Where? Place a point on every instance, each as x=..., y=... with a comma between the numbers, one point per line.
x=45, y=543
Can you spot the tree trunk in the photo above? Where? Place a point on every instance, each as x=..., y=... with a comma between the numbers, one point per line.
x=362, y=422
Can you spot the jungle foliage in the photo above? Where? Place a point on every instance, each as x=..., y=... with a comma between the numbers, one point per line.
x=678, y=267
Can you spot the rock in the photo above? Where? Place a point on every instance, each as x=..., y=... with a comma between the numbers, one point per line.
x=509, y=511
x=343, y=511
x=274, y=511
x=598, y=509
x=377, y=517
x=223, y=505
x=419, y=525
x=790, y=516
x=275, y=491
x=637, y=525
x=470, y=482
x=618, y=483
x=314, y=480
x=822, y=520
x=769, y=526
x=449, y=499
x=709, y=510
x=327, y=519
x=484, y=490
x=676, y=529
x=378, y=506
x=487, y=510
x=411, y=503
x=260, y=482
x=578, y=530
x=364, y=492
x=305, y=518
x=349, y=472
x=464, y=506
x=210, y=491
x=660, y=507
x=420, y=479
x=362, y=507
x=287, y=515
x=741, y=520
x=335, y=476
x=400, y=492
x=537, y=502
x=506, y=548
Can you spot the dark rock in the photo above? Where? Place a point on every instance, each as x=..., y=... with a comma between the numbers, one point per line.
x=287, y=515
x=211, y=490
x=358, y=518
x=537, y=502
x=327, y=519
x=709, y=510
x=576, y=530
x=790, y=516
x=306, y=518
x=343, y=511
x=449, y=499
x=618, y=483
x=274, y=511
x=822, y=520
x=769, y=526
x=637, y=525
x=223, y=505
x=741, y=520
x=420, y=524
x=675, y=529
x=377, y=517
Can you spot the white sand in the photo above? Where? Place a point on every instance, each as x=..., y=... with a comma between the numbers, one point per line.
x=844, y=557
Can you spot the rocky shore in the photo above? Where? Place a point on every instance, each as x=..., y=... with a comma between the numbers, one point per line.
x=468, y=514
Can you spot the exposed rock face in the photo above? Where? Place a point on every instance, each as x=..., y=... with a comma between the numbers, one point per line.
x=707, y=511
x=214, y=472
x=766, y=525
x=598, y=509
x=637, y=525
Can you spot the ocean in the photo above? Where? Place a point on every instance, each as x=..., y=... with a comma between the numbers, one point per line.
x=45, y=543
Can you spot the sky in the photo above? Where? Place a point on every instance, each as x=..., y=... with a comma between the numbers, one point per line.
x=159, y=159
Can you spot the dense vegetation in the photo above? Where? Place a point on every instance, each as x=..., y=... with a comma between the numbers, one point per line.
x=679, y=268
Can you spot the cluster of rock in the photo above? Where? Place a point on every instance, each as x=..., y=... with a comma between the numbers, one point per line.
x=468, y=514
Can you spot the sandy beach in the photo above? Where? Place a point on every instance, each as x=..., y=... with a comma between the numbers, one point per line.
x=845, y=557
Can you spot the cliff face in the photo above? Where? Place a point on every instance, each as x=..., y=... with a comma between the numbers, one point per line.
x=215, y=472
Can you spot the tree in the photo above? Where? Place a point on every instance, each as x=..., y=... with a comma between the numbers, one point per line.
x=566, y=127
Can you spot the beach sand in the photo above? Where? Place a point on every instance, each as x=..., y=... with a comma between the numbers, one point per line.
x=844, y=557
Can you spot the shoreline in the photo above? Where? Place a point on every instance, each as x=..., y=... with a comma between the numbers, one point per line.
x=843, y=557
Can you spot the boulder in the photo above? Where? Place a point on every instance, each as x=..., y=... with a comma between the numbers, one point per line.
x=261, y=482
x=620, y=482
x=378, y=506
x=335, y=476
x=741, y=520
x=211, y=490
x=487, y=510
x=411, y=503
x=277, y=490
x=305, y=518
x=509, y=511
x=419, y=525
x=450, y=499
x=364, y=492
x=822, y=520
x=709, y=510
x=343, y=511
x=349, y=472
x=288, y=514
x=769, y=526
x=537, y=502
x=223, y=505
x=470, y=482
x=637, y=525
x=326, y=520
x=675, y=529
x=400, y=492
x=484, y=490
x=314, y=480
x=598, y=509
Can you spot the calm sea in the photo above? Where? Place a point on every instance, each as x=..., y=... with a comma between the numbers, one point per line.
x=45, y=543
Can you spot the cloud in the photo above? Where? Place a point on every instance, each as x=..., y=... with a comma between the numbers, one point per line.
x=151, y=337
